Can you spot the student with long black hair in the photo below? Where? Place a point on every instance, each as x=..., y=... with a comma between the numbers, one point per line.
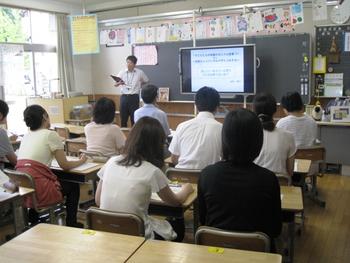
x=278, y=150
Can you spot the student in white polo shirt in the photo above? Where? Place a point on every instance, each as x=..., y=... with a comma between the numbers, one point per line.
x=302, y=126
x=197, y=142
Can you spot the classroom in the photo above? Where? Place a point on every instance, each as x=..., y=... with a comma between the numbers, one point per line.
x=175, y=131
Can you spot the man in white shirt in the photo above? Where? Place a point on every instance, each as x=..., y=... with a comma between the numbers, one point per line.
x=302, y=126
x=197, y=142
x=131, y=80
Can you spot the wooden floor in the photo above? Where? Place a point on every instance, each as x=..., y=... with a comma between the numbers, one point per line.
x=325, y=237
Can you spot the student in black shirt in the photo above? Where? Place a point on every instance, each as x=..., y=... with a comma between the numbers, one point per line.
x=236, y=194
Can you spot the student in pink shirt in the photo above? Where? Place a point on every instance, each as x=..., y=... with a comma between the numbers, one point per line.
x=102, y=135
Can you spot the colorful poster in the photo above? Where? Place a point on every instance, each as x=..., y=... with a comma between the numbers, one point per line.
x=131, y=35
x=186, y=31
x=150, y=35
x=255, y=23
x=161, y=33
x=174, y=32
x=297, y=13
x=241, y=23
x=146, y=55
x=272, y=18
x=112, y=38
x=121, y=36
x=140, y=35
x=319, y=10
x=103, y=37
x=84, y=34
x=227, y=26
x=214, y=27
x=201, y=29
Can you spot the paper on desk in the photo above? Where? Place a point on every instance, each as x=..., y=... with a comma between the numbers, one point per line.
x=175, y=189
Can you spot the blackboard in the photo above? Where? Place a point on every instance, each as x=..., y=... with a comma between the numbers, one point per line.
x=324, y=36
x=284, y=64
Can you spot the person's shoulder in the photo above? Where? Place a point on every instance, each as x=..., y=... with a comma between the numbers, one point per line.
x=282, y=132
x=138, y=70
x=261, y=171
x=213, y=169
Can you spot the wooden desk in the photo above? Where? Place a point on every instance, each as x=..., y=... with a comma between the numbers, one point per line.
x=79, y=122
x=51, y=243
x=74, y=129
x=77, y=176
x=158, y=207
x=16, y=200
x=292, y=202
x=153, y=251
x=73, y=146
x=292, y=199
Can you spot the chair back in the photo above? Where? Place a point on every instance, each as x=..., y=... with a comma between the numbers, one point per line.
x=183, y=175
x=313, y=153
x=74, y=146
x=62, y=132
x=21, y=179
x=284, y=180
x=115, y=222
x=126, y=131
x=210, y=236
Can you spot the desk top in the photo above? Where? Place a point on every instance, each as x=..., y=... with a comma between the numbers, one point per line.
x=153, y=251
x=188, y=202
x=8, y=196
x=328, y=123
x=51, y=243
x=302, y=166
x=88, y=171
x=292, y=199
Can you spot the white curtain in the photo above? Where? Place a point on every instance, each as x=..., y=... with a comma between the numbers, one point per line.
x=11, y=69
x=64, y=55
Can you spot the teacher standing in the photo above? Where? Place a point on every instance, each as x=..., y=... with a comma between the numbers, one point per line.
x=131, y=80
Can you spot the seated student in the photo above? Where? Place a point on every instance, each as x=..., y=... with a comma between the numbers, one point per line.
x=278, y=150
x=102, y=135
x=127, y=181
x=302, y=126
x=38, y=147
x=149, y=96
x=236, y=194
x=6, y=149
x=197, y=142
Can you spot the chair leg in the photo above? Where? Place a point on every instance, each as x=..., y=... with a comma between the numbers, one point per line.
x=52, y=216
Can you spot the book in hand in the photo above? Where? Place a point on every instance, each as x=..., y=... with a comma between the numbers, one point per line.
x=116, y=79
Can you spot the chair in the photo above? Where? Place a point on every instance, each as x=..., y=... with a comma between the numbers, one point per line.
x=74, y=146
x=25, y=180
x=115, y=222
x=63, y=132
x=211, y=236
x=317, y=154
x=126, y=131
x=183, y=175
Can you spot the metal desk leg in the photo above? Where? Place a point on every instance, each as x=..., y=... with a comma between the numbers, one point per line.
x=195, y=216
x=291, y=237
x=17, y=216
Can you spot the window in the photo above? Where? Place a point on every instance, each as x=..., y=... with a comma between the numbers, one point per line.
x=28, y=59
